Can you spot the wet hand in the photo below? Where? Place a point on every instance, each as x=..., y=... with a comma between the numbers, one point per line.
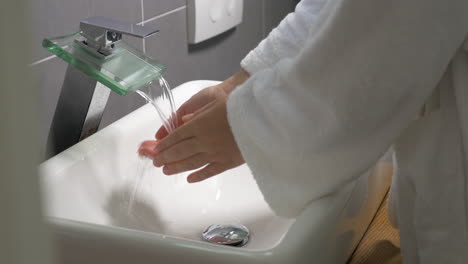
x=204, y=139
x=204, y=97
x=195, y=103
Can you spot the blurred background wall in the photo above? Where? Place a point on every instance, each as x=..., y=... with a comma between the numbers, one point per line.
x=23, y=234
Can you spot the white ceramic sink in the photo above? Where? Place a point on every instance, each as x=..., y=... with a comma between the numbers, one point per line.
x=87, y=188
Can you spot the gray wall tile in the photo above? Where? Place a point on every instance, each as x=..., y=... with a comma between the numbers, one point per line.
x=51, y=18
x=275, y=11
x=173, y=37
x=154, y=8
x=49, y=77
x=125, y=10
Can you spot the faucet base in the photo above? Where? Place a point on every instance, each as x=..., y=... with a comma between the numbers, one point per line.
x=79, y=111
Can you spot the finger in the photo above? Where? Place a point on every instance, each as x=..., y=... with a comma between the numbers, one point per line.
x=192, y=107
x=205, y=173
x=146, y=148
x=177, y=152
x=183, y=132
x=186, y=118
x=195, y=102
x=161, y=133
x=194, y=162
x=190, y=116
x=200, y=110
x=182, y=117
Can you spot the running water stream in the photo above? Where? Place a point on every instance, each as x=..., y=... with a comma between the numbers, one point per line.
x=159, y=94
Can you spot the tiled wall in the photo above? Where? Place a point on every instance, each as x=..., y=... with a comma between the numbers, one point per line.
x=214, y=59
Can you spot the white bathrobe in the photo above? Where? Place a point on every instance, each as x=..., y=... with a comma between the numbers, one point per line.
x=339, y=82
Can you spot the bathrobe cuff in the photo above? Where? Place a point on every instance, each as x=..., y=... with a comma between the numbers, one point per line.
x=253, y=62
x=250, y=140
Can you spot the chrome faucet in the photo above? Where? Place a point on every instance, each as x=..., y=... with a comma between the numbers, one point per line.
x=97, y=58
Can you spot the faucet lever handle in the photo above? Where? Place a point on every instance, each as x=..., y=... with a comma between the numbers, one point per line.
x=93, y=26
x=101, y=33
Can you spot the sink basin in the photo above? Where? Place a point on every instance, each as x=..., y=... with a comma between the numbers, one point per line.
x=96, y=215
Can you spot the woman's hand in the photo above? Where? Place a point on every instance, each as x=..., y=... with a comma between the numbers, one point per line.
x=204, y=97
x=204, y=139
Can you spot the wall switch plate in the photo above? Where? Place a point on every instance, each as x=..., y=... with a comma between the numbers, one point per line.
x=209, y=18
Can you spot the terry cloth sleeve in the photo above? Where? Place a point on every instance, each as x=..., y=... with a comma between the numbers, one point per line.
x=285, y=40
x=316, y=121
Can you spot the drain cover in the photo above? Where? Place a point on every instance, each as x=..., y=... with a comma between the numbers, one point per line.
x=230, y=234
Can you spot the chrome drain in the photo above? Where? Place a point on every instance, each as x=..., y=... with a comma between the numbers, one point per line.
x=230, y=234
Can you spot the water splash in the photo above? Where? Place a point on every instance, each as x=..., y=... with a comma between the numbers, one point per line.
x=141, y=169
